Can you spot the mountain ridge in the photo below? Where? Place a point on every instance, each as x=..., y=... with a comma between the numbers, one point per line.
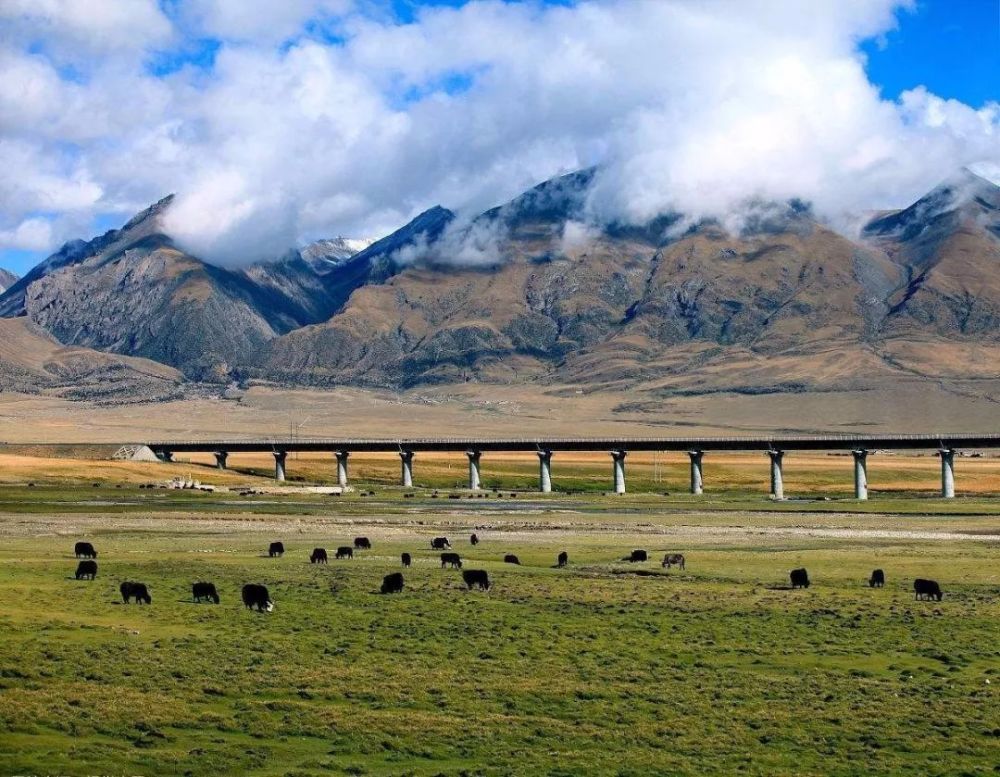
x=511, y=296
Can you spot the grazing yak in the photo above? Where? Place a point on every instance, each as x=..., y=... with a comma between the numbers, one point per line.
x=392, y=584
x=672, y=559
x=440, y=543
x=926, y=589
x=84, y=550
x=345, y=551
x=476, y=578
x=362, y=543
x=474, y=539
x=276, y=549
x=135, y=591
x=510, y=558
x=86, y=570
x=406, y=560
x=257, y=596
x=637, y=555
x=563, y=559
x=318, y=556
x=877, y=580
x=799, y=578
x=451, y=558
x=201, y=591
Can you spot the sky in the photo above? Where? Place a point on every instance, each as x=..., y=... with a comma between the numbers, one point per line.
x=276, y=123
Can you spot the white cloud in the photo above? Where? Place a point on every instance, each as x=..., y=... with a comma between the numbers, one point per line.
x=689, y=105
x=31, y=234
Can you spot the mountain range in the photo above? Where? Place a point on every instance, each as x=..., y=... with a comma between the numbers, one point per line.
x=531, y=292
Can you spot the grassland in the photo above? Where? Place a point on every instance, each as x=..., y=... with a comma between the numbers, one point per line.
x=601, y=668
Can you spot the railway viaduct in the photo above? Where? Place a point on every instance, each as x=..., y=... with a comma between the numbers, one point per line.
x=860, y=446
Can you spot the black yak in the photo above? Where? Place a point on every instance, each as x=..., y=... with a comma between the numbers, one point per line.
x=672, y=559
x=926, y=589
x=440, y=543
x=563, y=559
x=318, y=556
x=477, y=578
x=510, y=558
x=392, y=584
x=257, y=596
x=451, y=558
x=406, y=560
x=345, y=551
x=200, y=591
x=637, y=555
x=276, y=549
x=84, y=550
x=799, y=578
x=135, y=591
x=877, y=580
x=86, y=570
x=474, y=539
x=362, y=543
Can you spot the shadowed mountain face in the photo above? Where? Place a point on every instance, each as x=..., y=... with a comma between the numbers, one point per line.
x=948, y=247
x=132, y=291
x=530, y=292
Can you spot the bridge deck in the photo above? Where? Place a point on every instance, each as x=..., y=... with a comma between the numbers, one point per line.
x=444, y=444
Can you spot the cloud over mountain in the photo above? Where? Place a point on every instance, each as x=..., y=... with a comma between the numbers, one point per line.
x=319, y=117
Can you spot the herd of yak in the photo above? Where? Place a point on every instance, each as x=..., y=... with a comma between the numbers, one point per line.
x=257, y=596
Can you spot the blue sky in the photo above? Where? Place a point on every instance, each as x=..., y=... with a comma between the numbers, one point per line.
x=950, y=46
x=413, y=109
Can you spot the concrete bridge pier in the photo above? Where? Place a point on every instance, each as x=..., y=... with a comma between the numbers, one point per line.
x=279, y=465
x=474, y=479
x=545, y=471
x=406, y=463
x=342, y=467
x=221, y=457
x=697, y=480
x=618, y=461
x=860, y=474
x=777, y=483
x=947, y=472
x=167, y=457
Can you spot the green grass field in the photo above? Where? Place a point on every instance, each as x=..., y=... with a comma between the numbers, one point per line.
x=601, y=668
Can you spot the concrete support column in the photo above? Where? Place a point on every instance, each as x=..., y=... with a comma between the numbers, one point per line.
x=406, y=474
x=860, y=474
x=545, y=471
x=279, y=465
x=697, y=481
x=220, y=459
x=777, y=484
x=947, y=472
x=618, y=459
x=474, y=479
x=342, y=467
x=166, y=457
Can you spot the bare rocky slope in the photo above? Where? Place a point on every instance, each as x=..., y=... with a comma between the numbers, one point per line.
x=788, y=305
x=514, y=296
x=133, y=291
x=31, y=360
